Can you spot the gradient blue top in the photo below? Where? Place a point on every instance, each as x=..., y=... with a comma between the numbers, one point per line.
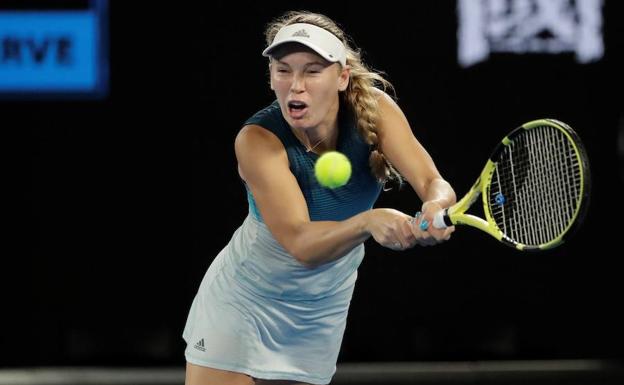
x=324, y=204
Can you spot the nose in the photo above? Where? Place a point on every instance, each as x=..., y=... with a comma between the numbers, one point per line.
x=298, y=83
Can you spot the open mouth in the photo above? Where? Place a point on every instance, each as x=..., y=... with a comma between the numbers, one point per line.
x=296, y=105
x=296, y=108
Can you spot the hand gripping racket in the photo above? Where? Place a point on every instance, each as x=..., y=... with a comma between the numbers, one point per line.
x=535, y=188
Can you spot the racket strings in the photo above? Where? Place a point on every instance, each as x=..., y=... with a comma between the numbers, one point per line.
x=534, y=230
x=536, y=189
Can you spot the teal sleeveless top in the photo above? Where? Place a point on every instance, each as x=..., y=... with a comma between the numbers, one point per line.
x=324, y=204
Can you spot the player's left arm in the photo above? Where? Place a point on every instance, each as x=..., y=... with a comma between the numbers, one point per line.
x=409, y=157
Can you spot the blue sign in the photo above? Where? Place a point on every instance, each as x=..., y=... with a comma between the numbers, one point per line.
x=52, y=52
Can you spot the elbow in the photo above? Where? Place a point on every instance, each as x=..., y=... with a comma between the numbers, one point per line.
x=305, y=259
x=309, y=265
x=297, y=247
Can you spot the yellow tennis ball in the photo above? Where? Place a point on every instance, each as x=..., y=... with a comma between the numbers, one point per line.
x=332, y=169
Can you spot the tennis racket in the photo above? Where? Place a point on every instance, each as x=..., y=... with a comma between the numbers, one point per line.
x=535, y=188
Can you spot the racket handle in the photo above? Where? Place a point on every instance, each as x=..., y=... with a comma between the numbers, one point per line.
x=439, y=221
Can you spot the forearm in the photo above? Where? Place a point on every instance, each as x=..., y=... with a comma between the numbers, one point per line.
x=318, y=242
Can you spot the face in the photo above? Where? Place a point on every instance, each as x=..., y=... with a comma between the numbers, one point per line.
x=307, y=86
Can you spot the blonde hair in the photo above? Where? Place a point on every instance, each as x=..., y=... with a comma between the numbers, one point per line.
x=360, y=96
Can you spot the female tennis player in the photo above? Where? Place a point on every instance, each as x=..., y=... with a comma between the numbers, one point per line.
x=272, y=307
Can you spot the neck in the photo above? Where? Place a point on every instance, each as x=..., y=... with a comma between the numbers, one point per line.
x=320, y=138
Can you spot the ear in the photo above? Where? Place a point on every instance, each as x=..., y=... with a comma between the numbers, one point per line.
x=271, y=78
x=343, y=78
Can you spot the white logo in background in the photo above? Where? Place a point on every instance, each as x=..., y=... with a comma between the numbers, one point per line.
x=529, y=26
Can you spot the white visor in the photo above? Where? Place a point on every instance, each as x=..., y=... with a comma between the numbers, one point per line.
x=318, y=39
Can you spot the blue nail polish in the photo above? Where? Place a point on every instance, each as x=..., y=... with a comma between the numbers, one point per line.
x=424, y=225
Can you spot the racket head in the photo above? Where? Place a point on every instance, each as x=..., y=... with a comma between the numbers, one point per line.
x=536, y=186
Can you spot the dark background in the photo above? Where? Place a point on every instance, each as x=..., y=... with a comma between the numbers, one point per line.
x=117, y=206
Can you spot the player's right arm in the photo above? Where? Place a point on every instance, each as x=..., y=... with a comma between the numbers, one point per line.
x=263, y=164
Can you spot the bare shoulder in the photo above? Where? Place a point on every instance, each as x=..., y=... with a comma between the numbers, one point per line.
x=391, y=116
x=255, y=142
x=385, y=101
x=253, y=136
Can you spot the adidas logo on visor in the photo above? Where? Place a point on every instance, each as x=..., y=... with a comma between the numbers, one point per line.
x=302, y=33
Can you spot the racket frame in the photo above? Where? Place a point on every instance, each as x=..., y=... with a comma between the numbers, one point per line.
x=456, y=214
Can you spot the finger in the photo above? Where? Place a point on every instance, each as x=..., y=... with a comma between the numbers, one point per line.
x=448, y=232
x=426, y=240
x=442, y=235
x=414, y=225
x=419, y=235
x=407, y=234
x=420, y=228
x=423, y=222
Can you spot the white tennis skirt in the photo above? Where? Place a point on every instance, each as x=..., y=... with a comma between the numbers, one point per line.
x=229, y=327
